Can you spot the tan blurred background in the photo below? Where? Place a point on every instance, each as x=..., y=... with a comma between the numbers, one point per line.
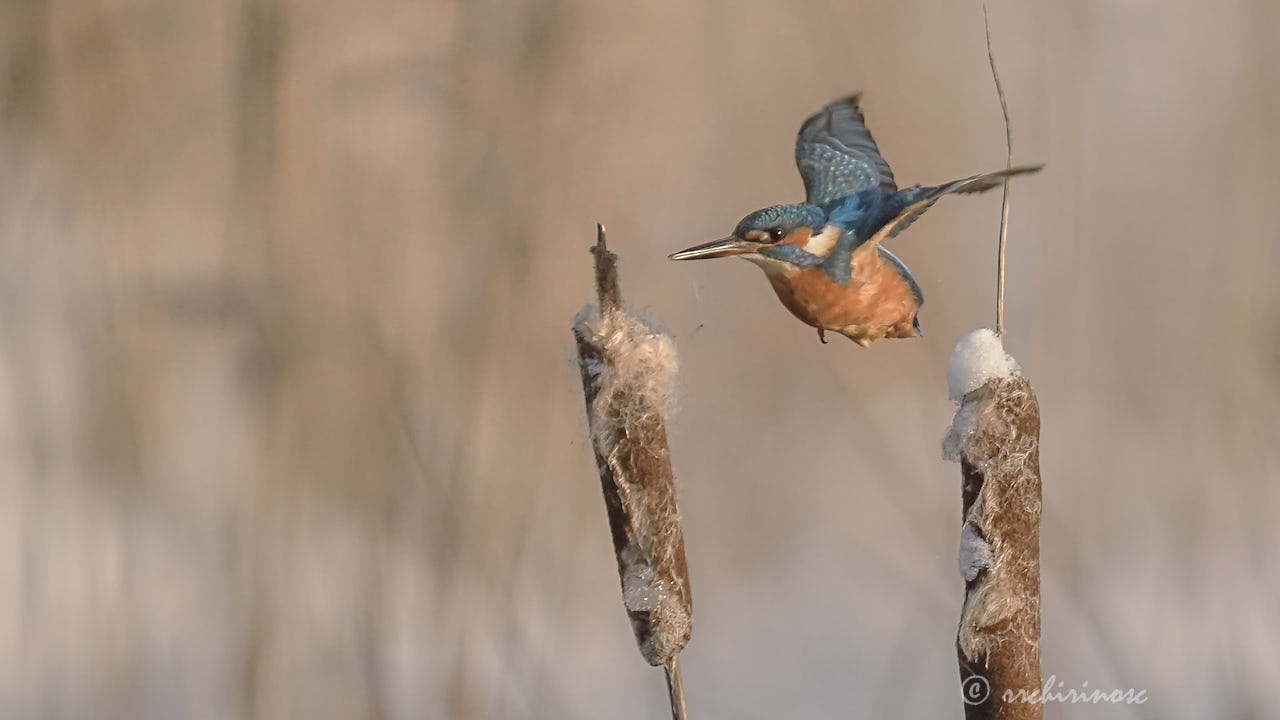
x=290, y=425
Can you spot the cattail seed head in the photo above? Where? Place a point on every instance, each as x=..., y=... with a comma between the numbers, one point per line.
x=628, y=371
x=995, y=437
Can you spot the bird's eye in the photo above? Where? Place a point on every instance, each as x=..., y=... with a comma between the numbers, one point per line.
x=777, y=234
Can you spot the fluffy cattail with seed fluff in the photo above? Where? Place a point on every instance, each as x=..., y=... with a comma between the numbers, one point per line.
x=996, y=439
x=628, y=371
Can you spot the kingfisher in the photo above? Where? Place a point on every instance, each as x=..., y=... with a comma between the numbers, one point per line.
x=825, y=257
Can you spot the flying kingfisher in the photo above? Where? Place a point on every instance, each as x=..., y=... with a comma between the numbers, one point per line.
x=824, y=256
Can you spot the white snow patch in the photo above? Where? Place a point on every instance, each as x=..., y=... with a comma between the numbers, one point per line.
x=641, y=591
x=978, y=357
x=975, y=553
x=963, y=425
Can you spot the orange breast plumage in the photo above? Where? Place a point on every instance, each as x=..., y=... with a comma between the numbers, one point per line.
x=876, y=303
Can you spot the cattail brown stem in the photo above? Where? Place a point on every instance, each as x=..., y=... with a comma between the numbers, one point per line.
x=606, y=265
x=628, y=369
x=675, y=688
x=996, y=439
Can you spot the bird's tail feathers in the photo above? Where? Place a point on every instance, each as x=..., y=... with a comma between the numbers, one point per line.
x=983, y=182
x=929, y=196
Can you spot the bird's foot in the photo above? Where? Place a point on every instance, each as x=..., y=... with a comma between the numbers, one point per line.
x=822, y=335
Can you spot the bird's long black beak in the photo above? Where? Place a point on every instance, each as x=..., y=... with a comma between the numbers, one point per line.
x=724, y=247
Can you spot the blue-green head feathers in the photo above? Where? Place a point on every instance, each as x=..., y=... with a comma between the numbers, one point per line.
x=786, y=217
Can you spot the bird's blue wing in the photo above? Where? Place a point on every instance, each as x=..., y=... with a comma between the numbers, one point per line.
x=836, y=155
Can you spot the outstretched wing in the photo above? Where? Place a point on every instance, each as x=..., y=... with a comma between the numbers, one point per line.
x=836, y=155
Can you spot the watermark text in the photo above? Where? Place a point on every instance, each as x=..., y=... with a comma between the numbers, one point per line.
x=976, y=689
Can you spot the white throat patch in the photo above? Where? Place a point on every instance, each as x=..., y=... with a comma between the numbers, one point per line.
x=770, y=265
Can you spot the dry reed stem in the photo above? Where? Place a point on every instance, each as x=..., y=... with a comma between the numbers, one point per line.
x=628, y=369
x=1004, y=203
x=996, y=439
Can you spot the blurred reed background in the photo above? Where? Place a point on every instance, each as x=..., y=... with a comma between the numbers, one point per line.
x=290, y=425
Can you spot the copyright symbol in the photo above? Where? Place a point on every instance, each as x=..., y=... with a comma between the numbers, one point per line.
x=975, y=689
